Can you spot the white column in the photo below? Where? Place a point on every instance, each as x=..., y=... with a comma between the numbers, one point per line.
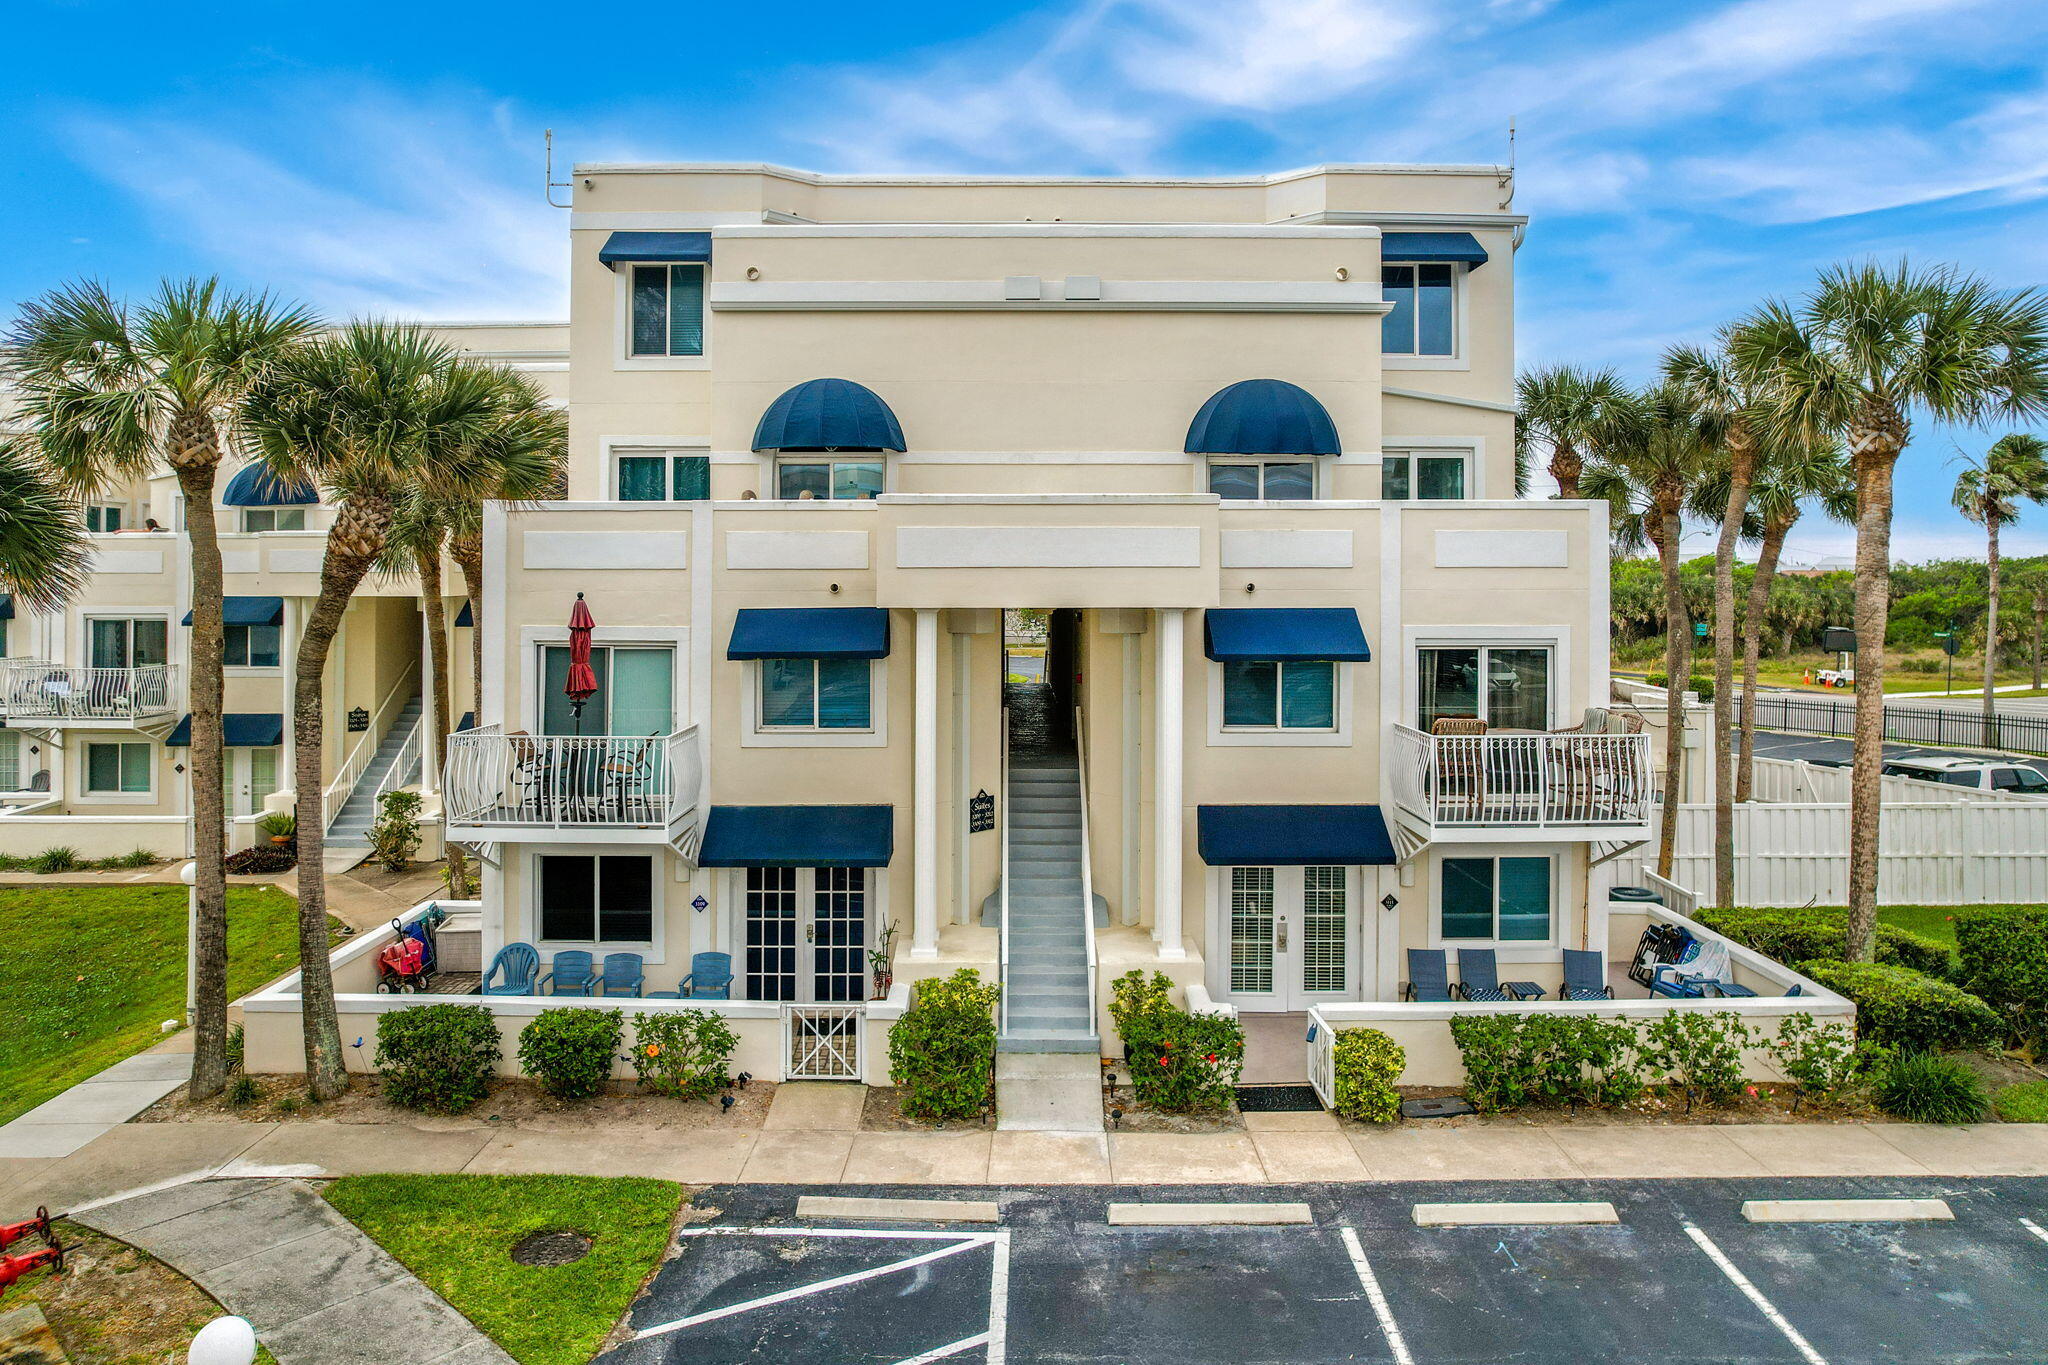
x=924, y=822
x=1166, y=797
x=430, y=753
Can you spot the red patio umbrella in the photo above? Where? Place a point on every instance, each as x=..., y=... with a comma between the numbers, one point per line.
x=582, y=681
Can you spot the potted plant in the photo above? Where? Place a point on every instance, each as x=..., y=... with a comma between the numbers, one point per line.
x=281, y=825
x=883, y=962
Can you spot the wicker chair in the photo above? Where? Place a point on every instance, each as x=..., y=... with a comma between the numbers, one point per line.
x=1458, y=776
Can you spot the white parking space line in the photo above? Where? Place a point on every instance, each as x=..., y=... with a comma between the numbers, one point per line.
x=965, y=1344
x=2031, y=1226
x=999, y=1300
x=1377, y=1297
x=1755, y=1296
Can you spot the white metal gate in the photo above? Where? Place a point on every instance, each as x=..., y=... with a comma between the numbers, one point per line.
x=1322, y=1058
x=823, y=1042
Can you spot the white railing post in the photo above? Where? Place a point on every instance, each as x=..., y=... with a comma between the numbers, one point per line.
x=1087, y=858
x=1003, y=882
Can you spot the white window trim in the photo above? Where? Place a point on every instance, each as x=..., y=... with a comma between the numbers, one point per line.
x=1557, y=639
x=164, y=614
x=622, y=324
x=533, y=638
x=612, y=448
x=777, y=459
x=275, y=670
x=242, y=518
x=19, y=755
x=732, y=924
x=1233, y=737
x=1318, y=480
x=1357, y=927
x=1460, y=357
x=754, y=736
x=653, y=951
x=97, y=798
x=1468, y=448
x=1505, y=950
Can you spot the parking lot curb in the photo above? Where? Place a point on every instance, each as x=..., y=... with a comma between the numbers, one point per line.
x=1198, y=1215
x=1512, y=1215
x=1847, y=1210
x=898, y=1210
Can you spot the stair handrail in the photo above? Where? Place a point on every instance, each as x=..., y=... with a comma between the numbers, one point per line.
x=1087, y=872
x=409, y=753
x=1003, y=882
x=363, y=750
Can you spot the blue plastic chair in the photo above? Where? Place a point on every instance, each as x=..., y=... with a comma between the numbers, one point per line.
x=1585, y=975
x=520, y=964
x=710, y=978
x=1429, y=976
x=571, y=974
x=1478, y=976
x=624, y=974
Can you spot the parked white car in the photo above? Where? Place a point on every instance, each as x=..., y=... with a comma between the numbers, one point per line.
x=1984, y=774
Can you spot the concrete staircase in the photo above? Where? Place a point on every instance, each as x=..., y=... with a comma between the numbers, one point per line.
x=350, y=827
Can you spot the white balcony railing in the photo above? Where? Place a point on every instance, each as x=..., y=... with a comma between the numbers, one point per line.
x=499, y=780
x=34, y=691
x=1520, y=781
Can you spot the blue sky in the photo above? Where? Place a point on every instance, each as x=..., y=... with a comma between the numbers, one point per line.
x=1679, y=159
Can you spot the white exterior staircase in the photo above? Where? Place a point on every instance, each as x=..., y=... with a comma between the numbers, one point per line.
x=350, y=827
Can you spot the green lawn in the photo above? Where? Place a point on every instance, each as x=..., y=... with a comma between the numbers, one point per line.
x=1929, y=921
x=89, y=972
x=456, y=1233
x=2026, y=1102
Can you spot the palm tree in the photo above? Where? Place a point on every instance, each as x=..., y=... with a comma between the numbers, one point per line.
x=1989, y=492
x=110, y=390
x=1868, y=350
x=43, y=550
x=377, y=414
x=1562, y=407
x=1654, y=447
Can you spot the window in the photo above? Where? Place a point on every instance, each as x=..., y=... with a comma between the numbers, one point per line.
x=2018, y=780
x=1262, y=694
x=1515, y=693
x=668, y=310
x=1246, y=480
x=102, y=519
x=1423, y=320
x=119, y=642
x=635, y=692
x=258, y=519
x=664, y=476
x=1422, y=475
x=10, y=760
x=1504, y=900
x=117, y=768
x=815, y=694
x=806, y=933
x=596, y=899
x=839, y=480
x=250, y=646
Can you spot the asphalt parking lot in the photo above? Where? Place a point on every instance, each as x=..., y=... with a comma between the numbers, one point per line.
x=1681, y=1277
x=1814, y=749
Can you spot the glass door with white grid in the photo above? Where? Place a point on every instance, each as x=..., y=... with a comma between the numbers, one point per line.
x=1291, y=935
x=806, y=933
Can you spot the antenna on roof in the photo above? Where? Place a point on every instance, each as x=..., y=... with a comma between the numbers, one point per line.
x=1507, y=179
x=552, y=183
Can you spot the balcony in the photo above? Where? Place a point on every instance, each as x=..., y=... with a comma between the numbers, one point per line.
x=38, y=694
x=521, y=788
x=1526, y=786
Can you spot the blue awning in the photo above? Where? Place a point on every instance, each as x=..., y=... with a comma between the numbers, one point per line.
x=468, y=721
x=240, y=730
x=256, y=486
x=828, y=414
x=1296, y=634
x=6, y=606
x=248, y=611
x=1434, y=247
x=1290, y=836
x=809, y=633
x=651, y=247
x=799, y=836
x=1262, y=417
x=465, y=617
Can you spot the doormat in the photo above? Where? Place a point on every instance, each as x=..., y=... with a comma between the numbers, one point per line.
x=1449, y=1108
x=1278, y=1099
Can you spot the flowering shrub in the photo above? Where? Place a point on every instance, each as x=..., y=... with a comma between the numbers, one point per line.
x=1178, y=1061
x=1822, y=1060
x=1517, y=1059
x=683, y=1054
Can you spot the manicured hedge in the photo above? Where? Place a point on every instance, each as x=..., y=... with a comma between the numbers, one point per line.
x=1368, y=1064
x=1790, y=936
x=2005, y=963
x=569, y=1050
x=1902, y=1008
x=437, y=1058
x=942, y=1052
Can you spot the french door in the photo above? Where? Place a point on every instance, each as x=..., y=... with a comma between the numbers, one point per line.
x=806, y=933
x=1292, y=934
x=247, y=776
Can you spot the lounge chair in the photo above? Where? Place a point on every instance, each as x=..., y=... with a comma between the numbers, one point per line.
x=1703, y=971
x=624, y=974
x=571, y=974
x=1429, y=977
x=1585, y=975
x=520, y=965
x=1478, y=977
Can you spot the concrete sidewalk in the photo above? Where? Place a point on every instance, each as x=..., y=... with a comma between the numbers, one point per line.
x=315, y=1288
x=64, y=1123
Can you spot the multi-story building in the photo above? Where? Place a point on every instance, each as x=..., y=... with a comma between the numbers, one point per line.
x=1247, y=442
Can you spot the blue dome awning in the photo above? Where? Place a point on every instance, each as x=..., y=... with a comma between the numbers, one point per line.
x=1293, y=836
x=1262, y=417
x=239, y=730
x=256, y=486
x=828, y=414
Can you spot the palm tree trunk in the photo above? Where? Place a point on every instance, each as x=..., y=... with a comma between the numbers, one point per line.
x=195, y=456
x=1752, y=648
x=1677, y=672
x=1874, y=453
x=1991, y=633
x=1566, y=467
x=1741, y=472
x=436, y=608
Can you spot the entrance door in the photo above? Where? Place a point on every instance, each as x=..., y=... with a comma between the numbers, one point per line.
x=806, y=933
x=1291, y=932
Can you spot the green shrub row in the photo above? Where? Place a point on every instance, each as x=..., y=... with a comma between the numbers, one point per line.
x=1790, y=936
x=942, y=1052
x=1179, y=1062
x=62, y=859
x=1698, y=684
x=2004, y=951
x=1900, y=1008
x=1367, y=1065
x=1516, y=1059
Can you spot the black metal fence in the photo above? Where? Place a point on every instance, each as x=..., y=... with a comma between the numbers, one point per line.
x=1935, y=726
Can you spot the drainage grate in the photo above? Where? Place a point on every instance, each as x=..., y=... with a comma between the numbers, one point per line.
x=1278, y=1099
